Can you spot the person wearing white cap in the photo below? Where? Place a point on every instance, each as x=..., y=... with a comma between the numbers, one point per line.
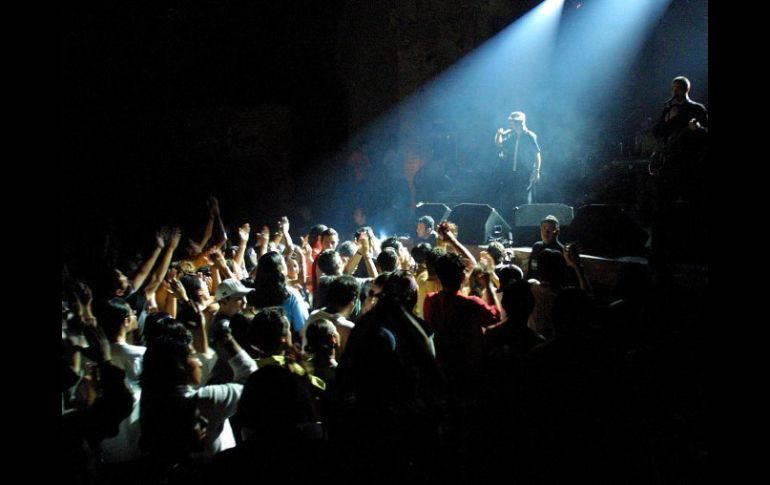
x=519, y=170
x=231, y=296
x=232, y=290
x=229, y=320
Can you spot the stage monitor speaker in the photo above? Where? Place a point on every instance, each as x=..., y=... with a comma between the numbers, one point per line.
x=437, y=211
x=527, y=217
x=478, y=223
x=605, y=230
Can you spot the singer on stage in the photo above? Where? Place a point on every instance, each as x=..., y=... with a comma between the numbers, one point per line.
x=518, y=170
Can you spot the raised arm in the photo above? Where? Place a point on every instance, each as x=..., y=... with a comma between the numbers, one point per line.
x=160, y=271
x=146, y=267
x=572, y=257
x=501, y=135
x=283, y=226
x=218, y=259
x=364, y=252
x=490, y=296
x=243, y=233
x=489, y=265
x=213, y=205
x=263, y=239
x=447, y=235
x=305, y=253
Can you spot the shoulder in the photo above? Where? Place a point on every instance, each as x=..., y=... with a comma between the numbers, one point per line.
x=216, y=393
x=343, y=322
x=697, y=106
x=293, y=293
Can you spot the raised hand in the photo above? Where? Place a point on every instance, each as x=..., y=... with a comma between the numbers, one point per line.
x=160, y=238
x=364, y=244
x=83, y=294
x=572, y=254
x=174, y=236
x=486, y=260
x=445, y=230
x=177, y=289
x=243, y=232
x=304, y=244
x=213, y=205
x=283, y=224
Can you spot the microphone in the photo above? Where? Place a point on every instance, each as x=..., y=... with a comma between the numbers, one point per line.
x=668, y=101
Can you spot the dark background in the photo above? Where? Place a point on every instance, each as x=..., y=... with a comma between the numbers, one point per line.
x=167, y=102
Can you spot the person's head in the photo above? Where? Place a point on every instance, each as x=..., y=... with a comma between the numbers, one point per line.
x=158, y=324
x=346, y=250
x=292, y=267
x=171, y=360
x=518, y=301
x=231, y=296
x=425, y=226
x=196, y=288
x=330, y=263
x=477, y=280
x=110, y=282
x=117, y=318
x=420, y=252
x=680, y=87
x=387, y=260
x=270, y=331
x=322, y=338
x=314, y=235
x=549, y=229
x=375, y=288
x=509, y=273
x=430, y=260
x=400, y=287
x=518, y=121
x=450, y=270
x=342, y=295
x=392, y=242
x=497, y=251
x=330, y=239
x=230, y=252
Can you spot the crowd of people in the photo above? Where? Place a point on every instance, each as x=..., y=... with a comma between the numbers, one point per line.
x=268, y=354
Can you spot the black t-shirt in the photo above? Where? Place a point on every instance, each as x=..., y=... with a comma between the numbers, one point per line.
x=525, y=154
